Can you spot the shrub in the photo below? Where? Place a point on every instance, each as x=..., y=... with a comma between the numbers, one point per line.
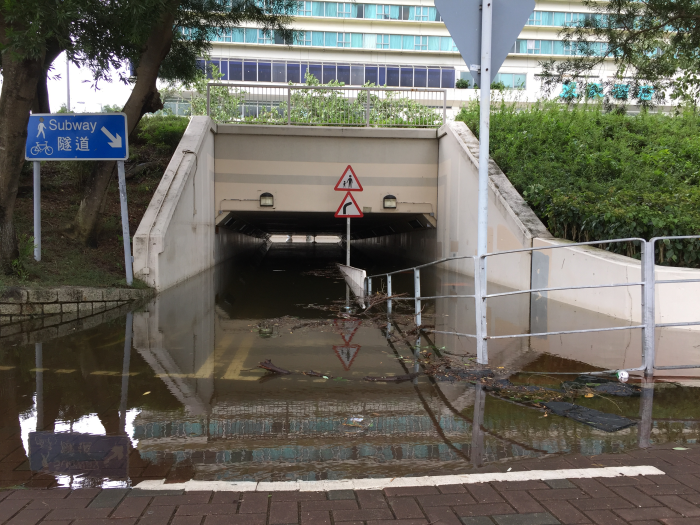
x=591, y=175
x=161, y=131
x=462, y=84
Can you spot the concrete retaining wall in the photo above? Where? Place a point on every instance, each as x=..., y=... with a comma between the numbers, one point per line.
x=177, y=236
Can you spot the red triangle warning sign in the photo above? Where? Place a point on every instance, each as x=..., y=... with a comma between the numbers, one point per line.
x=347, y=328
x=349, y=181
x=349, y=207
x=347, y=354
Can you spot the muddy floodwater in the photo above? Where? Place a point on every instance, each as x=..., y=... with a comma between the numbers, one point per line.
x=173, y=389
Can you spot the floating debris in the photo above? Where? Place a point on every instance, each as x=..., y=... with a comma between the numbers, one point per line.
x=313, y=373
x=392, y=379
x=618, y=389
x=595, y=418
x=267, y=365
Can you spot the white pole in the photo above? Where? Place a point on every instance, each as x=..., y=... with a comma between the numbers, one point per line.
x=125, y=224
x=68, y=83
x=347, y=243
x=37, y=210
x=483, y=204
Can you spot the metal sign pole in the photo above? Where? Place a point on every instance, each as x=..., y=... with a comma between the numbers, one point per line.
x=37, y=210
x=347, y=243
x=483, y=203
x=125, y=372
x=128, y=262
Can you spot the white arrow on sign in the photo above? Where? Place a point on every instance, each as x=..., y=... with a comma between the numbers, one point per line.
x=115, y=142
x=463, y=21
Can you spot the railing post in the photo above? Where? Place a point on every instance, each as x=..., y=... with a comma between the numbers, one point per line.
x=482, y=352
x=388, y=291
x=208, y=101
x=289, y=106
x=648, y=306
x=369, y=286
x=416, y=284
x=367, y=108
x=444, y=107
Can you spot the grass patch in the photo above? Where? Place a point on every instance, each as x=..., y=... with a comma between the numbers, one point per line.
x=591, y=175
x=66, y=262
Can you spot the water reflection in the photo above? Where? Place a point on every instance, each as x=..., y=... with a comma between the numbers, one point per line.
x=188, y=395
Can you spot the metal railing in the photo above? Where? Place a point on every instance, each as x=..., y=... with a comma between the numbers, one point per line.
x=648, y=299
x=282, y=104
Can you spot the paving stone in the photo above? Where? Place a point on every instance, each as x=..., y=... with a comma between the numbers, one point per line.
x=678, y=521
x=282, y=512
x=238, y=519
x=226, y=497
x=406, y=508
x=554, y=494
x=398, y=522
x=646, y=513
x=130, y=508
x=477, y=520
x=452, y=489
x=10, y=507
x=28, y=517
x=77, y=514
x=624, y=481
x=51, y=504
x=636, y=497
x=254, y=503
x=605, y=517
x=341, y=494
x=565, y=512
x=445, y=500
x=135, y=493
x=206, y=510
x=108, y=498
x=160, y=514
x=316, y=517
x=292, y=496
x=188, y=498
x=328, y=505
x=522, y=501
x=106, y=521
x=187, y=520
x=371, y=499
x=519, y=485
x=484, y=509
x=559, y=483
x=410, y=491
x=659, y=490
x=484, y=493
x=592, y=487
x=154, y=520
x=84, y=493
x=602, y=503
x=34, y=494
x=680, y=505
x=443, y=515
x=537, y=518
x=363, y=515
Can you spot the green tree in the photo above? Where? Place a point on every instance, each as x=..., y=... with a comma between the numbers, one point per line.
x=652, y=42
x=182, y=32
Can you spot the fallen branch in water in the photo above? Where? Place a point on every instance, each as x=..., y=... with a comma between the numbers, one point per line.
x=313, y=373
x=393, y=379
x=267, y=365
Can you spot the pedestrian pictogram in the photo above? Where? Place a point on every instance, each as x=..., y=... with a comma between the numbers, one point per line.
x=347, y=354
x=349, y=208
x=349, y=181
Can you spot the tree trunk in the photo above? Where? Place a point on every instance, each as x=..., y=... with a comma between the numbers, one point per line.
x=20, y=79
x=144, y=98
x=41, y=102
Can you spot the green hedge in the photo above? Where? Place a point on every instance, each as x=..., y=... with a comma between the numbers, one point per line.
x=591, y=175
x=160, y=131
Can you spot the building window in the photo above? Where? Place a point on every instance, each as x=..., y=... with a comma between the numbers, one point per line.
x=534, y=47
x=264, y=38
x=382, y=41
x=306, y=38
x=384, y=12
x=344, y=39
x=535, y=19
x=420, y=43
x=422, y=14
x=304, y=9
x=512, y=80
x=344, y=10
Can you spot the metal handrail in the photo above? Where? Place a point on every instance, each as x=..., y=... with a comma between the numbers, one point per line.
x=648, y=325
x=289, y=88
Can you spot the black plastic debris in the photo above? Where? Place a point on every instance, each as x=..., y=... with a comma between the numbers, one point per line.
x=618, y=389
x=594, y=418
x=587, y=379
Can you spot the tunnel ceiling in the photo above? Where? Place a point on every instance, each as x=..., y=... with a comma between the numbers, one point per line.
x=315, y=223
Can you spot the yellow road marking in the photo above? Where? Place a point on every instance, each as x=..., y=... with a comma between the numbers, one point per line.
x=234, y=369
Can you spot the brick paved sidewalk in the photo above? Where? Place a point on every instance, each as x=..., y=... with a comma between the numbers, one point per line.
x=670, y=499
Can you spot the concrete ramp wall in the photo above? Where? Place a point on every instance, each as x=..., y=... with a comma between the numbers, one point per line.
x=177, y=237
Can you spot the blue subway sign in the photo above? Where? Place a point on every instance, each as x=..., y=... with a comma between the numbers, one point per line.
x=63, y=136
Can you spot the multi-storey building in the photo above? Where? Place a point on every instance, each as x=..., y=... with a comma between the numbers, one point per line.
x=401, y=43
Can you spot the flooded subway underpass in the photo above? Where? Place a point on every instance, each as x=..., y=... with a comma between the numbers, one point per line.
x=173, y=390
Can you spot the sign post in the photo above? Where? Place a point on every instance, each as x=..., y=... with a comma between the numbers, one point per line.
x=484, y=42
x=349, y=207
x=66, y=137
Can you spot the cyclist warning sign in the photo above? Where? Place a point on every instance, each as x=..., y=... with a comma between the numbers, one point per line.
x=349, y=208
x=349, y=181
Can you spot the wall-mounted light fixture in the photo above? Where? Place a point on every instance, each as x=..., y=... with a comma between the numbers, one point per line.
x=267, y=200
x=389, y=202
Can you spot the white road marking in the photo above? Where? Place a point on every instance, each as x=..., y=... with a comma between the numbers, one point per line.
x=383, y=483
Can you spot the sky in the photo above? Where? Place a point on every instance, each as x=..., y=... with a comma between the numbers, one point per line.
x=83, y=96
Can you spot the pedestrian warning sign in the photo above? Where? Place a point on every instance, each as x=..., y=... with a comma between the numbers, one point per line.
x=347, y=354
x=349, y=181
x=349, y=208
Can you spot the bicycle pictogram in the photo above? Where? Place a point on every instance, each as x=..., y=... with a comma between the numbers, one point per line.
x=39, y=148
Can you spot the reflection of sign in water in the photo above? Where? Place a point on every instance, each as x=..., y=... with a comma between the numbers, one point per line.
x=347, y=328
x=64, y=453
x=347, y=354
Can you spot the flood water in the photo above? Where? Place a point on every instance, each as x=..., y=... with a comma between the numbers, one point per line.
x=172, y=390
